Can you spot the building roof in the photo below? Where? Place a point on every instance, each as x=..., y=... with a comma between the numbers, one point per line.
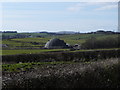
x=55, y=43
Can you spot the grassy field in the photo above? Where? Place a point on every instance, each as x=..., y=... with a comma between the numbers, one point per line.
x=19, y=67
x=33, y=34
x=29, y=51
x=24, y=42
x=96, y=49
x=36, y=51
x=41, y=40
x=80, y=38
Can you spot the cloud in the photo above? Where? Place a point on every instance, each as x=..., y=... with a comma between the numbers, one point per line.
x=98, y=6
x=108, y=7
x=75, y=8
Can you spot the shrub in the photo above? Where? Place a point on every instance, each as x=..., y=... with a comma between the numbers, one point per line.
x=110, y=42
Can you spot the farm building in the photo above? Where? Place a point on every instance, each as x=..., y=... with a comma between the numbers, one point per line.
x=55, y=43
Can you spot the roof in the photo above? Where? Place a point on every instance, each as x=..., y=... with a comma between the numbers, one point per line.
x=55, y=43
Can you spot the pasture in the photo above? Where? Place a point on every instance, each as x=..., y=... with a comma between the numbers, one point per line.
x=29, y=51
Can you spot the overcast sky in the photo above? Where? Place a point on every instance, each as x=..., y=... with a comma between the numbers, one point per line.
x=60, y=16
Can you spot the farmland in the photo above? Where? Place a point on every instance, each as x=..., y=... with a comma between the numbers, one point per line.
x=26, y=64
x=40, y=42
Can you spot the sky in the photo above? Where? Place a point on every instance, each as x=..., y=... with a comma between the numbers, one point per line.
x=59, y=16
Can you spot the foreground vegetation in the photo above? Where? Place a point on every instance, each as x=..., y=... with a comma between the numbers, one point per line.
x=97, y=74
x=24, y=67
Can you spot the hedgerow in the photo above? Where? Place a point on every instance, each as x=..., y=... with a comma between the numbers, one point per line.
x=62, y=56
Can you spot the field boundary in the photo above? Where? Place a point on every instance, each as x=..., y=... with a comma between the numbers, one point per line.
x=62, y=56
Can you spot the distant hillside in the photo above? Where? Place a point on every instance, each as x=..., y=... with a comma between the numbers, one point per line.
x=44, y=34
x=66, y=32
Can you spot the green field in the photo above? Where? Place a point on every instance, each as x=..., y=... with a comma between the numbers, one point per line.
x=33, y=34
x=96, y=49
x=29, y=51
x=37, y=51
x=25, y=42
x=28, y=66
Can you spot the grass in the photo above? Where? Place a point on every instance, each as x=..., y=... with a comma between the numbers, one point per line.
x=36, y=51
x=29, y=51
x=24, y=42
x=82, y=37
x=33, y=34
x=40, y=40
x=11, y=43
x=28, y=66
x=96, y=49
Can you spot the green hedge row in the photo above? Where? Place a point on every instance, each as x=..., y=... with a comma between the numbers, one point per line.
x=62, y=56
